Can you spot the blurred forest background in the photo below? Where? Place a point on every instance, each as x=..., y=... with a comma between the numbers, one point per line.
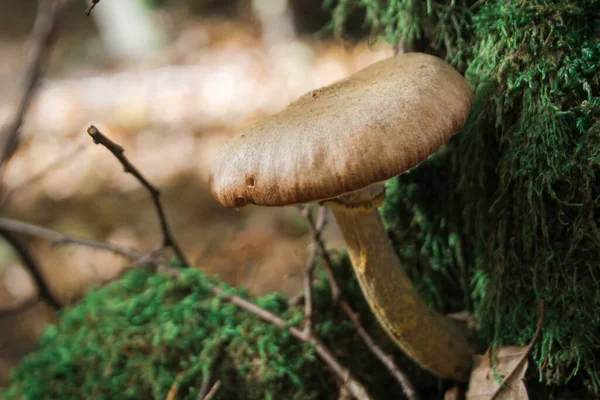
x=170, y=82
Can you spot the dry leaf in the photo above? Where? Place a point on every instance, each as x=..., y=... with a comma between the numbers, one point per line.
x=485, y=381
x=455, y=393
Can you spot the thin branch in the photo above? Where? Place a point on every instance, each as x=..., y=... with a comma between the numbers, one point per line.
x=61, y=238
x=213, y=391
x=207, y=382
x=386, y=359
x=308, y=303
x=44, y=35
x=309, y=268
x=355, y=387
x=118, y=152
x=44, y=290
x=88, y=10
x=525, y=354
x=320, y=244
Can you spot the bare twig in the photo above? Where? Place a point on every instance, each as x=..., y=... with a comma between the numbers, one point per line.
x=525, y=354
x=60, y=238
x=44, y=290
x=308, y=273
x=386, y=359
x=88, y=10
x=213, y=391
x=118, y=152
x=309, y=268
x=355, y=387
x=44, y=34
x=207, y=382
x=320, y=244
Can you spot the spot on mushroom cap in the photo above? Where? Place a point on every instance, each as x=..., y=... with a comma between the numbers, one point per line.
x=369, y=127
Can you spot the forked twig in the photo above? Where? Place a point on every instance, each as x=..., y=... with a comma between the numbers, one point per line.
x=118, y=152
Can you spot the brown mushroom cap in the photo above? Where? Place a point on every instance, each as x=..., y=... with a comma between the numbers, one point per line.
x=367, y=128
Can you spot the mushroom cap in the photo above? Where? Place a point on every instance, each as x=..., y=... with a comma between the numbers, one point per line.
x=366, y=128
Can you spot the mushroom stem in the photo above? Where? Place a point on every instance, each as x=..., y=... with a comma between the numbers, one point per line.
x=429, y=338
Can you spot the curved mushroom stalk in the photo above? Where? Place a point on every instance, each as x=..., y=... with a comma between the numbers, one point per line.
x=427, y=337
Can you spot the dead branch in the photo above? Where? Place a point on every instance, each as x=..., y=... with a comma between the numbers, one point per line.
x=61, y=238
x=88, y=10
x=386, y=359
x=343, y=374
x=213, y=391
x=44, y=35
x=309, y=268
x=118, y=152
x=29, y=262
x=320, y=244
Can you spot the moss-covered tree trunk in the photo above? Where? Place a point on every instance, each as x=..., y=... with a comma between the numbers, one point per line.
x=508, y=213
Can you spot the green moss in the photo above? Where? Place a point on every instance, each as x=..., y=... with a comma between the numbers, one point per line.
x=137, y=337
x=513, y=204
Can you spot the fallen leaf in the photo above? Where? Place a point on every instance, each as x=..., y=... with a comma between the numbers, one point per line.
x=485, y=380
x=455, y=393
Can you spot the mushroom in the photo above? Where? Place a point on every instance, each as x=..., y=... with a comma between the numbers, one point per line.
x=337, y=145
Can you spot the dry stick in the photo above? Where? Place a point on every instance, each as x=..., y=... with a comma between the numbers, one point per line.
x=206, y=387
x=308, y=304
x=44, y=33
x=309, y=268
x=44, y=291
x=60, y=238
x=386, y=359
x=118, y=152
x=88, y=10
x=525, y=354
x=318, y=242
x=213, y=391
x=355, y=387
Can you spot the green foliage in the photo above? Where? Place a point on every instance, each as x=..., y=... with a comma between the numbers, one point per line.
x=513, y=204
x=136, y=338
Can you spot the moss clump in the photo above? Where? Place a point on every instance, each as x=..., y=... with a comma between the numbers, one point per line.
x=137, y=337
x=513, y=204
